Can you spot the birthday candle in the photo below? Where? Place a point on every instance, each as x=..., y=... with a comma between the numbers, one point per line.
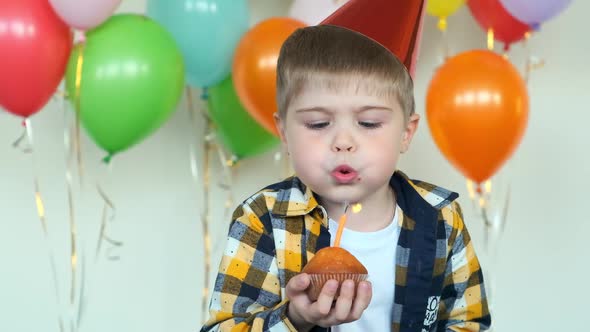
x=341, y=223
x=355, y=209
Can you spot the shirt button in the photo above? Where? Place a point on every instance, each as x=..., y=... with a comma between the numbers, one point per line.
x=321, y=213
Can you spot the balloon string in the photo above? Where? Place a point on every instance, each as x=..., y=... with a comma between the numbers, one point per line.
x=206, y=221
x=225, y=163
x=27, y=138
x=105, y=219
x=103, y=233
x=532, y=63
x=77, y=102
x=108, y=204
x=77, y=318
x=445, y=38
x=493, y=229
x=228, y=165
x=481, y=194
x=442, y=24
x=527, y=67
x=103, y=237
x=490, y=39
x=71, y=150
x=22, y=143
x=205, y=217
x=108, y=215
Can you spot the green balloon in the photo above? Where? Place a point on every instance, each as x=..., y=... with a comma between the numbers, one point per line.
x=237, y=130
x=132, y=79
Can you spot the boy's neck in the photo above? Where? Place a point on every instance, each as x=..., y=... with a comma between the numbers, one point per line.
x=377, y=211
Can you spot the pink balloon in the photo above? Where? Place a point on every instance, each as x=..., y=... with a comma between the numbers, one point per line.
x=313, y=12
x=84, y=14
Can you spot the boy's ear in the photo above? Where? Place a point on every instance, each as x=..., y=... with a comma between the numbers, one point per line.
x=409, y=131
x=281, y=128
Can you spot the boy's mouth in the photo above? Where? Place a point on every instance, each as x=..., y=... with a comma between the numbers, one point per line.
x=344, y=174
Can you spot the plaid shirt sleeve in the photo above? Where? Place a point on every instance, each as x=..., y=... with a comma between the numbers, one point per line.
x=463, y=302
x=247, y=292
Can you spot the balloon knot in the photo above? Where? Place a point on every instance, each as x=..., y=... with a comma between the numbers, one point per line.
x=83, y=37
x=107, y=159
x=478, y=189
x=442, y=24
x=205, y=94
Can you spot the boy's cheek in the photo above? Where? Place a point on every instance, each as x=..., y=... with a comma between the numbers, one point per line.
x=300, y=136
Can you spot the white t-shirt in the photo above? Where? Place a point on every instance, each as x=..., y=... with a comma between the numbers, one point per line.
x=376, y=250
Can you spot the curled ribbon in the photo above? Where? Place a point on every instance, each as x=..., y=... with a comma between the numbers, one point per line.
x=103, y=237
x=532, y=62
x=205, y=215
x=481, y=195
x=27, y=139
x=77, y=98
x=74, y=259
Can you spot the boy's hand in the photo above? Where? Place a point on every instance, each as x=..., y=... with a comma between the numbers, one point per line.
x=305, y=314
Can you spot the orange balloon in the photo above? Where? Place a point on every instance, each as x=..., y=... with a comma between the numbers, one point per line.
x=477, y=109
x=255, y=68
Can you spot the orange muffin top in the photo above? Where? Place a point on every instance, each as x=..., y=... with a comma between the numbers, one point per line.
x=334, y=260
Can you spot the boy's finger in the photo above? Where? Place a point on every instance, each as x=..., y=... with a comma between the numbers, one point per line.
x=297, y=284
x=345, y=299
x=324, y=303
x=362, y=300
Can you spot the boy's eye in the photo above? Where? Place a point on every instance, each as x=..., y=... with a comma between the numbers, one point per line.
x=317, y=125
x=370, y=125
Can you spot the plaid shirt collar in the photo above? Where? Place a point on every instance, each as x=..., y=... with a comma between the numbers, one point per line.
x=297, y=199
x=294, y=199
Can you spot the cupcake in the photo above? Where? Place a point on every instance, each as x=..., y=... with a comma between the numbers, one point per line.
x=333, y=263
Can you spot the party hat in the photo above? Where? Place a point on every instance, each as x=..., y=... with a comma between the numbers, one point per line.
x=395, y=24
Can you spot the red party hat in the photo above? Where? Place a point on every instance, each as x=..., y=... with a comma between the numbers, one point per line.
x=395, y=24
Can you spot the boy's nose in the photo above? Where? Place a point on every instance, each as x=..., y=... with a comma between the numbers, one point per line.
x=343, y=148
x=343, y=144
x=343, y=141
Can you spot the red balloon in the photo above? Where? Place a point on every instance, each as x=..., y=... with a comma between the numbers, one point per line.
x=477, y=108
x=491, y=14
x=35, y=46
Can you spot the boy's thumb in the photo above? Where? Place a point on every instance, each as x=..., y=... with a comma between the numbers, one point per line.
x=299, y=282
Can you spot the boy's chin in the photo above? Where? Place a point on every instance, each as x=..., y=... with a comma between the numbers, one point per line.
x=351, y=193
x=341, y=194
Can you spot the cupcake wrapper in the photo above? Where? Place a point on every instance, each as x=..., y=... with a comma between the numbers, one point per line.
x=318, y=281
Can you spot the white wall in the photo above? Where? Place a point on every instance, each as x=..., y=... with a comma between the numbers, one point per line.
x=156, y=285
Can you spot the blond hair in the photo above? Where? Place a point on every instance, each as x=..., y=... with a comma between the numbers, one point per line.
x=332, y=57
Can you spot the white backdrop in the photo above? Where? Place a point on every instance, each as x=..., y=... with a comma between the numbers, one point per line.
x=156, y=285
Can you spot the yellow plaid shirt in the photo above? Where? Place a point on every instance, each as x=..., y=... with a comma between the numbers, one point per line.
x=438, y=286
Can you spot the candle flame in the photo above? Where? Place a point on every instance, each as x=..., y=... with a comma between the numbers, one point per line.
x=356, y=208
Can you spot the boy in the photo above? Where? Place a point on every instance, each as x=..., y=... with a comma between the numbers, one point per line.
x=346, y=112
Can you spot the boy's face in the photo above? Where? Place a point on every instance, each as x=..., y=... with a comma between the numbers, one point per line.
x=345, y=144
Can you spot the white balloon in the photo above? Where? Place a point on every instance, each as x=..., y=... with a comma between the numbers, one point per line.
x=84, y=14
x=313, y=12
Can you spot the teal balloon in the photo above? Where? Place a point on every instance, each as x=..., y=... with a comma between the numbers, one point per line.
x=132, y=78
x=236, y=129
x=207, y=31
